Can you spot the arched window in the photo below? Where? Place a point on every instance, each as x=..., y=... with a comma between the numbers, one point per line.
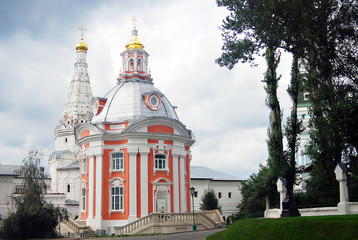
x=131, y=64
x=160, y=162
x=117, y=195
x=68, y=188
x=139, y=64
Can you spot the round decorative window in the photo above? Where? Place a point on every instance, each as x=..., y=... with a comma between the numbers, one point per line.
x=153, y=102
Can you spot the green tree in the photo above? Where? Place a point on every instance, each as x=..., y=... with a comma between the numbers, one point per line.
x=323, y=33
x=247, y=31
x=209, y=201
x=254, y=191
x=34, y=217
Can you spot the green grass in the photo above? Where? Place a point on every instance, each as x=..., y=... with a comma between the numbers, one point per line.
x=307, y=228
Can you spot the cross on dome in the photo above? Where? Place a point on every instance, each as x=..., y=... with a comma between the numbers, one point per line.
x=81, y=28
x=134, y=22
x=134, y=43
x=82, y=46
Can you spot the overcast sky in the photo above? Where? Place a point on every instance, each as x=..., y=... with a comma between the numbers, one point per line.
x=225, y=108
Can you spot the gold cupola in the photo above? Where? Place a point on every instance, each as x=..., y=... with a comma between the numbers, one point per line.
x=83, y=47
x=134, y=43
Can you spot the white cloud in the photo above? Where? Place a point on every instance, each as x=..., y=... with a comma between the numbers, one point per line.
x=225, y=109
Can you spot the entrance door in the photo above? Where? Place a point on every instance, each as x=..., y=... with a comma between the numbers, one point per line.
x=161, y=201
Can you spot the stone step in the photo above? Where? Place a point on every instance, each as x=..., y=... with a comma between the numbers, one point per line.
x=91, y=233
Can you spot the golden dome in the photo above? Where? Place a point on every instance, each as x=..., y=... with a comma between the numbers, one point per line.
x=134, y=43
x=83, y=47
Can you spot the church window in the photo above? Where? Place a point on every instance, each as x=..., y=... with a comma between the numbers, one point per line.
x=160, y=161
x=229, y=194
x=84, y=165
x=117, y=198
x=68, y=188
x=153, y=101
x=131, y=64
x=139, y=65
x=117, y=161
x=66, y=140
x=83, y=199
x=219, y=194
x=196, y=194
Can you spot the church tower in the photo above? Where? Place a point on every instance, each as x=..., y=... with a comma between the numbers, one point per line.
x=63, y=162
x=136, y=152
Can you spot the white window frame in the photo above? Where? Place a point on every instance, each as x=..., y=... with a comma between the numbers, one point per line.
x=131, y=64
x=114, y=184
x=139, y=64
x=117, y=198
x=84, y=165
x=159, y=162
x=114, y=163
x=83, y=199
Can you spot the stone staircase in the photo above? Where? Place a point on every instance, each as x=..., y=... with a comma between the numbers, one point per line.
x=167, y=223
x=72, y=228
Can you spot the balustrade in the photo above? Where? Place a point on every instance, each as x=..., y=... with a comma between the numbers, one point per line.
x=165, y=219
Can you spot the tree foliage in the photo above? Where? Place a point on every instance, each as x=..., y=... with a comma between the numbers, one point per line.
x=323, y=35
x=209, y=201
x=255, y=190
x=34, y=217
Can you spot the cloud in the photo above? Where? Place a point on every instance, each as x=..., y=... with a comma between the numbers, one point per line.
x=225, y=108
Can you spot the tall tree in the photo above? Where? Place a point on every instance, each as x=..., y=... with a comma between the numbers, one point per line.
x=323, y=33
x=247, y=31
x=293, y=125
x=34, y=217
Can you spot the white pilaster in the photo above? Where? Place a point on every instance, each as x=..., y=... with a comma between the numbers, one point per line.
x=182, y=185
x=132, y=183
x=90, y=188
x=99, y=164
x=144, y=180
x=175, y=154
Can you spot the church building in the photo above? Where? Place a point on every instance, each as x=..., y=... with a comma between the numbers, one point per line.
x=131, y=150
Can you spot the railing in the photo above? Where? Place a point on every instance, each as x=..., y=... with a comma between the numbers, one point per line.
x=161, y=219
x=215, y=215
x=353, y=190
x=327, y=197
x=74, y=227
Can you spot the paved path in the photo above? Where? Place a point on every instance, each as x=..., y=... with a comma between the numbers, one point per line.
x=197, y=235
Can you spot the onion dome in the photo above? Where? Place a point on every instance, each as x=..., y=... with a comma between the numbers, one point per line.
x=83, y=47
x=134, y=43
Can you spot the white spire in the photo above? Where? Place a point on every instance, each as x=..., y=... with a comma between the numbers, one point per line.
x=78, y=106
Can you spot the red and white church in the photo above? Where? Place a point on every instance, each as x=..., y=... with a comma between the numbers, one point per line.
x=132, y=151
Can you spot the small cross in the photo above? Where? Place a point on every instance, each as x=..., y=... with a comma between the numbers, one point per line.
x=134, y=21
x=81, y=28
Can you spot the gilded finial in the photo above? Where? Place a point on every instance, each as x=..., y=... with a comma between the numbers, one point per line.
x=81, y=28
x=134, y=22
x=82, y=46
x=134, y=42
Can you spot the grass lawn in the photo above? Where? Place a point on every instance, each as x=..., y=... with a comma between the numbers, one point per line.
x=307, y=228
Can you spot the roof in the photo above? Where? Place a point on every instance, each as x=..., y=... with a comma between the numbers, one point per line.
x=9, y=170
x=200, y=172
x=71, y=202
x=126, y=103
x=75, y=165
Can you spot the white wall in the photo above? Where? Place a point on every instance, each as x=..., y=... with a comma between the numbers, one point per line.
x=228, y=205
